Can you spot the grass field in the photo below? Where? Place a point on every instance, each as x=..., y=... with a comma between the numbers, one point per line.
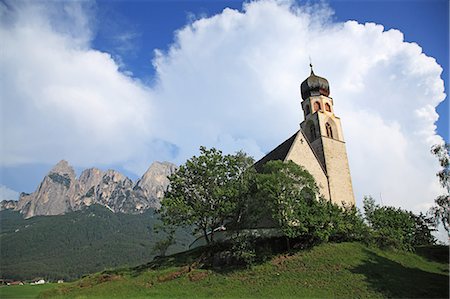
x=25, y=291
x=346, y=270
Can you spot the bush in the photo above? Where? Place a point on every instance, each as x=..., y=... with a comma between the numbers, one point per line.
x=244, y=250
x=396, y=228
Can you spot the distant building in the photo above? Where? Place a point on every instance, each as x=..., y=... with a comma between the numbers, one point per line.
x=319, y=144
x=40, y=281
x=15, y=283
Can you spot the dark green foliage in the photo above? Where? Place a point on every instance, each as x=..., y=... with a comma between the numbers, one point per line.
x=68, y=246
x=160, y=247
x=205, y=192
x=396, y=228
x=286, y=196
x=286, y=190
x=243, y=249
x=441, y=211
x=347, y=223
x=422, y=232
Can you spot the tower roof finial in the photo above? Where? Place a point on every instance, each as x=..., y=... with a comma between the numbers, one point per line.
x=311, y=66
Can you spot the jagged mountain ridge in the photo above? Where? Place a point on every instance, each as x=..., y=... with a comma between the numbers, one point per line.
x=61, y=191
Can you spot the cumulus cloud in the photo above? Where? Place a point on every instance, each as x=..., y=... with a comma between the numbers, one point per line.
x=60, y=98
x=230, y=81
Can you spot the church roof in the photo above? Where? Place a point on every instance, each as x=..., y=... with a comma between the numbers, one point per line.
x=314, y=86
x=279, y=153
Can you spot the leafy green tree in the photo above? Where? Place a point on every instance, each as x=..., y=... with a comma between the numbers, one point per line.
x=441, y=211
x=346, y=223
x=287, y=194
x=423, y=227
x=286, y=189
x=391, y=227
x=205, y=192
x=163, y=245
x=396, y=228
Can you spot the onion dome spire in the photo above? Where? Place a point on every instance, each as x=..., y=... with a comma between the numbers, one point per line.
x=314, y=85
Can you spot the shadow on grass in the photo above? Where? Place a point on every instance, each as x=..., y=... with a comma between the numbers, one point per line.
x=217, y=257
x=396, y=281
x=434, y=253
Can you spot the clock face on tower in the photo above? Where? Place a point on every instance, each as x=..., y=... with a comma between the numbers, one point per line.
x=316, y=106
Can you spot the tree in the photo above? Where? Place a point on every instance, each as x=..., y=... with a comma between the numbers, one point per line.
x=286, y=191
x=396, y=228
x=441, y=211
x=288, y=195
x=390, y=227
x=163, y=245
x=205, y=192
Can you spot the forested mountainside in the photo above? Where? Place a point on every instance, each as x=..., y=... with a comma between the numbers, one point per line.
x=71, y=245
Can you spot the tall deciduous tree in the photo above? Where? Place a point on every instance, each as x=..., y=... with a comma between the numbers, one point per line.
x=206, y=191
x=286, y=191
x=441, y=211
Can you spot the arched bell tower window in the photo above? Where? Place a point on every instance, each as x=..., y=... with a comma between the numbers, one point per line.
x=316, y=106
x=327, y=107
x=312, y=131
x=329, y=130
x=307, y=110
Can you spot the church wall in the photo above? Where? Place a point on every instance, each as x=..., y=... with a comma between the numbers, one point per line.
x=338, y=171
x=301, y=154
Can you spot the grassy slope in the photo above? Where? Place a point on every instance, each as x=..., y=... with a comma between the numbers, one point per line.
x=25, y=291
x=346, y=270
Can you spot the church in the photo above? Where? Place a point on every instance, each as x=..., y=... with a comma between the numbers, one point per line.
x=319, y=144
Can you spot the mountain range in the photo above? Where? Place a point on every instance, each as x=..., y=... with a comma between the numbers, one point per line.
x=61, y=191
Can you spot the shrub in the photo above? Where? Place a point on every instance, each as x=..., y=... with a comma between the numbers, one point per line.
x=396, y=228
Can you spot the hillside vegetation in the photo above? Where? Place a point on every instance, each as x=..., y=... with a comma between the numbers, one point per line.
x=344, y=270
x=71, y=245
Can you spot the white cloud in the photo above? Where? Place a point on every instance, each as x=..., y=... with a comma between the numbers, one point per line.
x=230, y=81
x=8, y=194
x=61, y=98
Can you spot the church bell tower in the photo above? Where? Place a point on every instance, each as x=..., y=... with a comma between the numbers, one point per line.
x=323, y=130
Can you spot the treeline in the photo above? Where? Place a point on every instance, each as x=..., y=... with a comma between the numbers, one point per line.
x=214, y=192
x=71, y=245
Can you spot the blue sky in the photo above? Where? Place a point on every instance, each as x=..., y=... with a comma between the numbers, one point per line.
x=119, y=84
x=425, y=22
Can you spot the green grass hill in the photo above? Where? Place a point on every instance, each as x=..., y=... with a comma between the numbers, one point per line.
x=71, y=245
x=344, y=270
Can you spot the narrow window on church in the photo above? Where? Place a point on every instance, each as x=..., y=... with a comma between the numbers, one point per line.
x=307, y=110
x=312, y=131
x=316, y=106
x=329, y=130
x=327, y=107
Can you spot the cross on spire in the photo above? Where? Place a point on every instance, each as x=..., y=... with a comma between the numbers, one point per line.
x=311, y=66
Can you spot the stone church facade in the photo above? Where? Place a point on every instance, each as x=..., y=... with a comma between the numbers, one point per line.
x=319, y=144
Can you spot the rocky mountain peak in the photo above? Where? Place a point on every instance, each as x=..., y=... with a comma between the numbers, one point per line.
x=114, y=176
x=90, y=176
x=88, y=179
x=63, y=167
x=157, y=170
x=54, y=194
x=60, y=191
x=8, y=204
x=155, y=181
